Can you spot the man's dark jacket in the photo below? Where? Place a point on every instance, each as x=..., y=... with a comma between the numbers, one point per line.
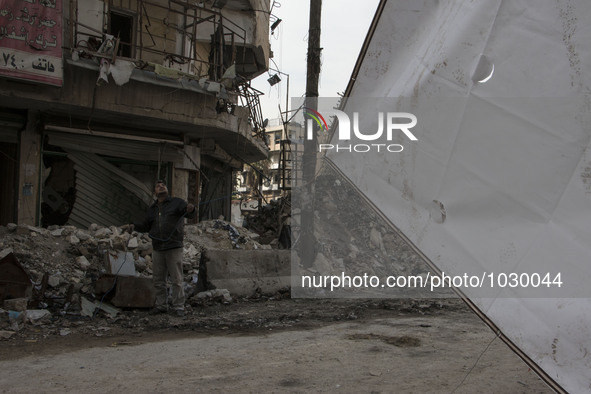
x=164, y=223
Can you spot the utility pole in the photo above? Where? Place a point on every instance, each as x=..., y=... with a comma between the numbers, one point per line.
x=308, y=240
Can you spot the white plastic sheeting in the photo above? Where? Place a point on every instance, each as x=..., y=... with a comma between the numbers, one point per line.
x=509, y=162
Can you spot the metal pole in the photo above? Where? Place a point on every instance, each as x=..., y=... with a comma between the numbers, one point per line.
x=308, y=240
x=287, y=100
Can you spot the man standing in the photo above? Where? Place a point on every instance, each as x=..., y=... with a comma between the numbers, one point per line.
x=165, y=221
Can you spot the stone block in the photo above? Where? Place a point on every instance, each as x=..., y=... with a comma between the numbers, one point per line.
x=242, y=272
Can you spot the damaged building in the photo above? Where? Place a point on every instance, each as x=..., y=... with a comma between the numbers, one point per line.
x=100, y=98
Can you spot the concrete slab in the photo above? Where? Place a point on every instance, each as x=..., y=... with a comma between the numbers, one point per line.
x=127, y=291
x=243, y=271
x=120, y=263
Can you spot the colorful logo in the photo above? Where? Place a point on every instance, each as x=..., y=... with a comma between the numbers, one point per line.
x=317, y=117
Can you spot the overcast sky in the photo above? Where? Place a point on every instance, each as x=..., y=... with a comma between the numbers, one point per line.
x=344, y=27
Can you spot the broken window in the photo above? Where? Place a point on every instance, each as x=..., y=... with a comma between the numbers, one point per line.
x=121, y=26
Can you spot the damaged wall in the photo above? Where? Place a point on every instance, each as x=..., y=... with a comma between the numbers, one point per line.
x=141, y=122
x=30, y=154
x=113, y=188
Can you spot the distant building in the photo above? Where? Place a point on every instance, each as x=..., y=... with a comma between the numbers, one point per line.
x=278, y=171
x=98, y=99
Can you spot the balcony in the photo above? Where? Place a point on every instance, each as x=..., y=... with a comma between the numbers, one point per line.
x=177, y=34
x=174, y=70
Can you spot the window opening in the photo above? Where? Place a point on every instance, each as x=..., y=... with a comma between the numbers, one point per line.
x=121, y=26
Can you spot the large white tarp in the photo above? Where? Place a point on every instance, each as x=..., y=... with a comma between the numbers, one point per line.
x=509, y=162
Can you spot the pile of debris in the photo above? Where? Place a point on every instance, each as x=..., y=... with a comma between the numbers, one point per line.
x=70, y=271
x=352, y=238
x=221, y=235
x=272, y=223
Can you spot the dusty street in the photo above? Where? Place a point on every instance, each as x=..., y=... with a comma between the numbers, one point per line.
x=260, y=343
x=271, y=345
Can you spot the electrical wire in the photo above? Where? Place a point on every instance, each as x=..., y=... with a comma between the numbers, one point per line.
x=125, y=259
x=498, y=334
x=114, y=281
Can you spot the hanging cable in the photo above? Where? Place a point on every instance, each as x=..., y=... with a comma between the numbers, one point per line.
x=114, y=280
x=498, y=334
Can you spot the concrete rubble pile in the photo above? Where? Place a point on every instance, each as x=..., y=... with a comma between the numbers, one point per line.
x=352, y=239
x=221, y=235
x=64, y=263
x=271, y=222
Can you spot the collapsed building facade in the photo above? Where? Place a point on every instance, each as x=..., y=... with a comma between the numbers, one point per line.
x=100, y=98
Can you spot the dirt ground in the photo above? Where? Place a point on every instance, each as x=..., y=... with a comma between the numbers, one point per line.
x=264, y=343
x=269, y=344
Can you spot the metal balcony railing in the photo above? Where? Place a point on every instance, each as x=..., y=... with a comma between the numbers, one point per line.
x=142, y=37
x=170, y=34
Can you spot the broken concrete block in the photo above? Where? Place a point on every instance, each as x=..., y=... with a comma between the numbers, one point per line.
x=58, y=232
x=120, y=263
x=70, y=229
x=92, y=242
x=6, y=334
x=73, y=240
x=259, y=246
x=77, y=273
x=145, y=246
x=133, y=243
x=16, y=304
x=140, y=264
x=215, y=293
x=119, y=241
x=83, y=262
x=82, y=235
x=103, y=232
x=54, y=280
x=147, y=251
x=37, y=315
x=191, y=251
x=88, y=307
x=11, y=227
x=127, y=291
x=37, y=230
x=243, y=271
x=108, y=309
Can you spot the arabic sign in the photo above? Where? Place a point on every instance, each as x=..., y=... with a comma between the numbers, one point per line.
x=31, y=40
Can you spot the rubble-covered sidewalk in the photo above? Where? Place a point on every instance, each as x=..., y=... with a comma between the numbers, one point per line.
x=70, y=270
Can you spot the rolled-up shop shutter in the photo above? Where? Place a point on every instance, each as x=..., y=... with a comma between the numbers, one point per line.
x=106, y=194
